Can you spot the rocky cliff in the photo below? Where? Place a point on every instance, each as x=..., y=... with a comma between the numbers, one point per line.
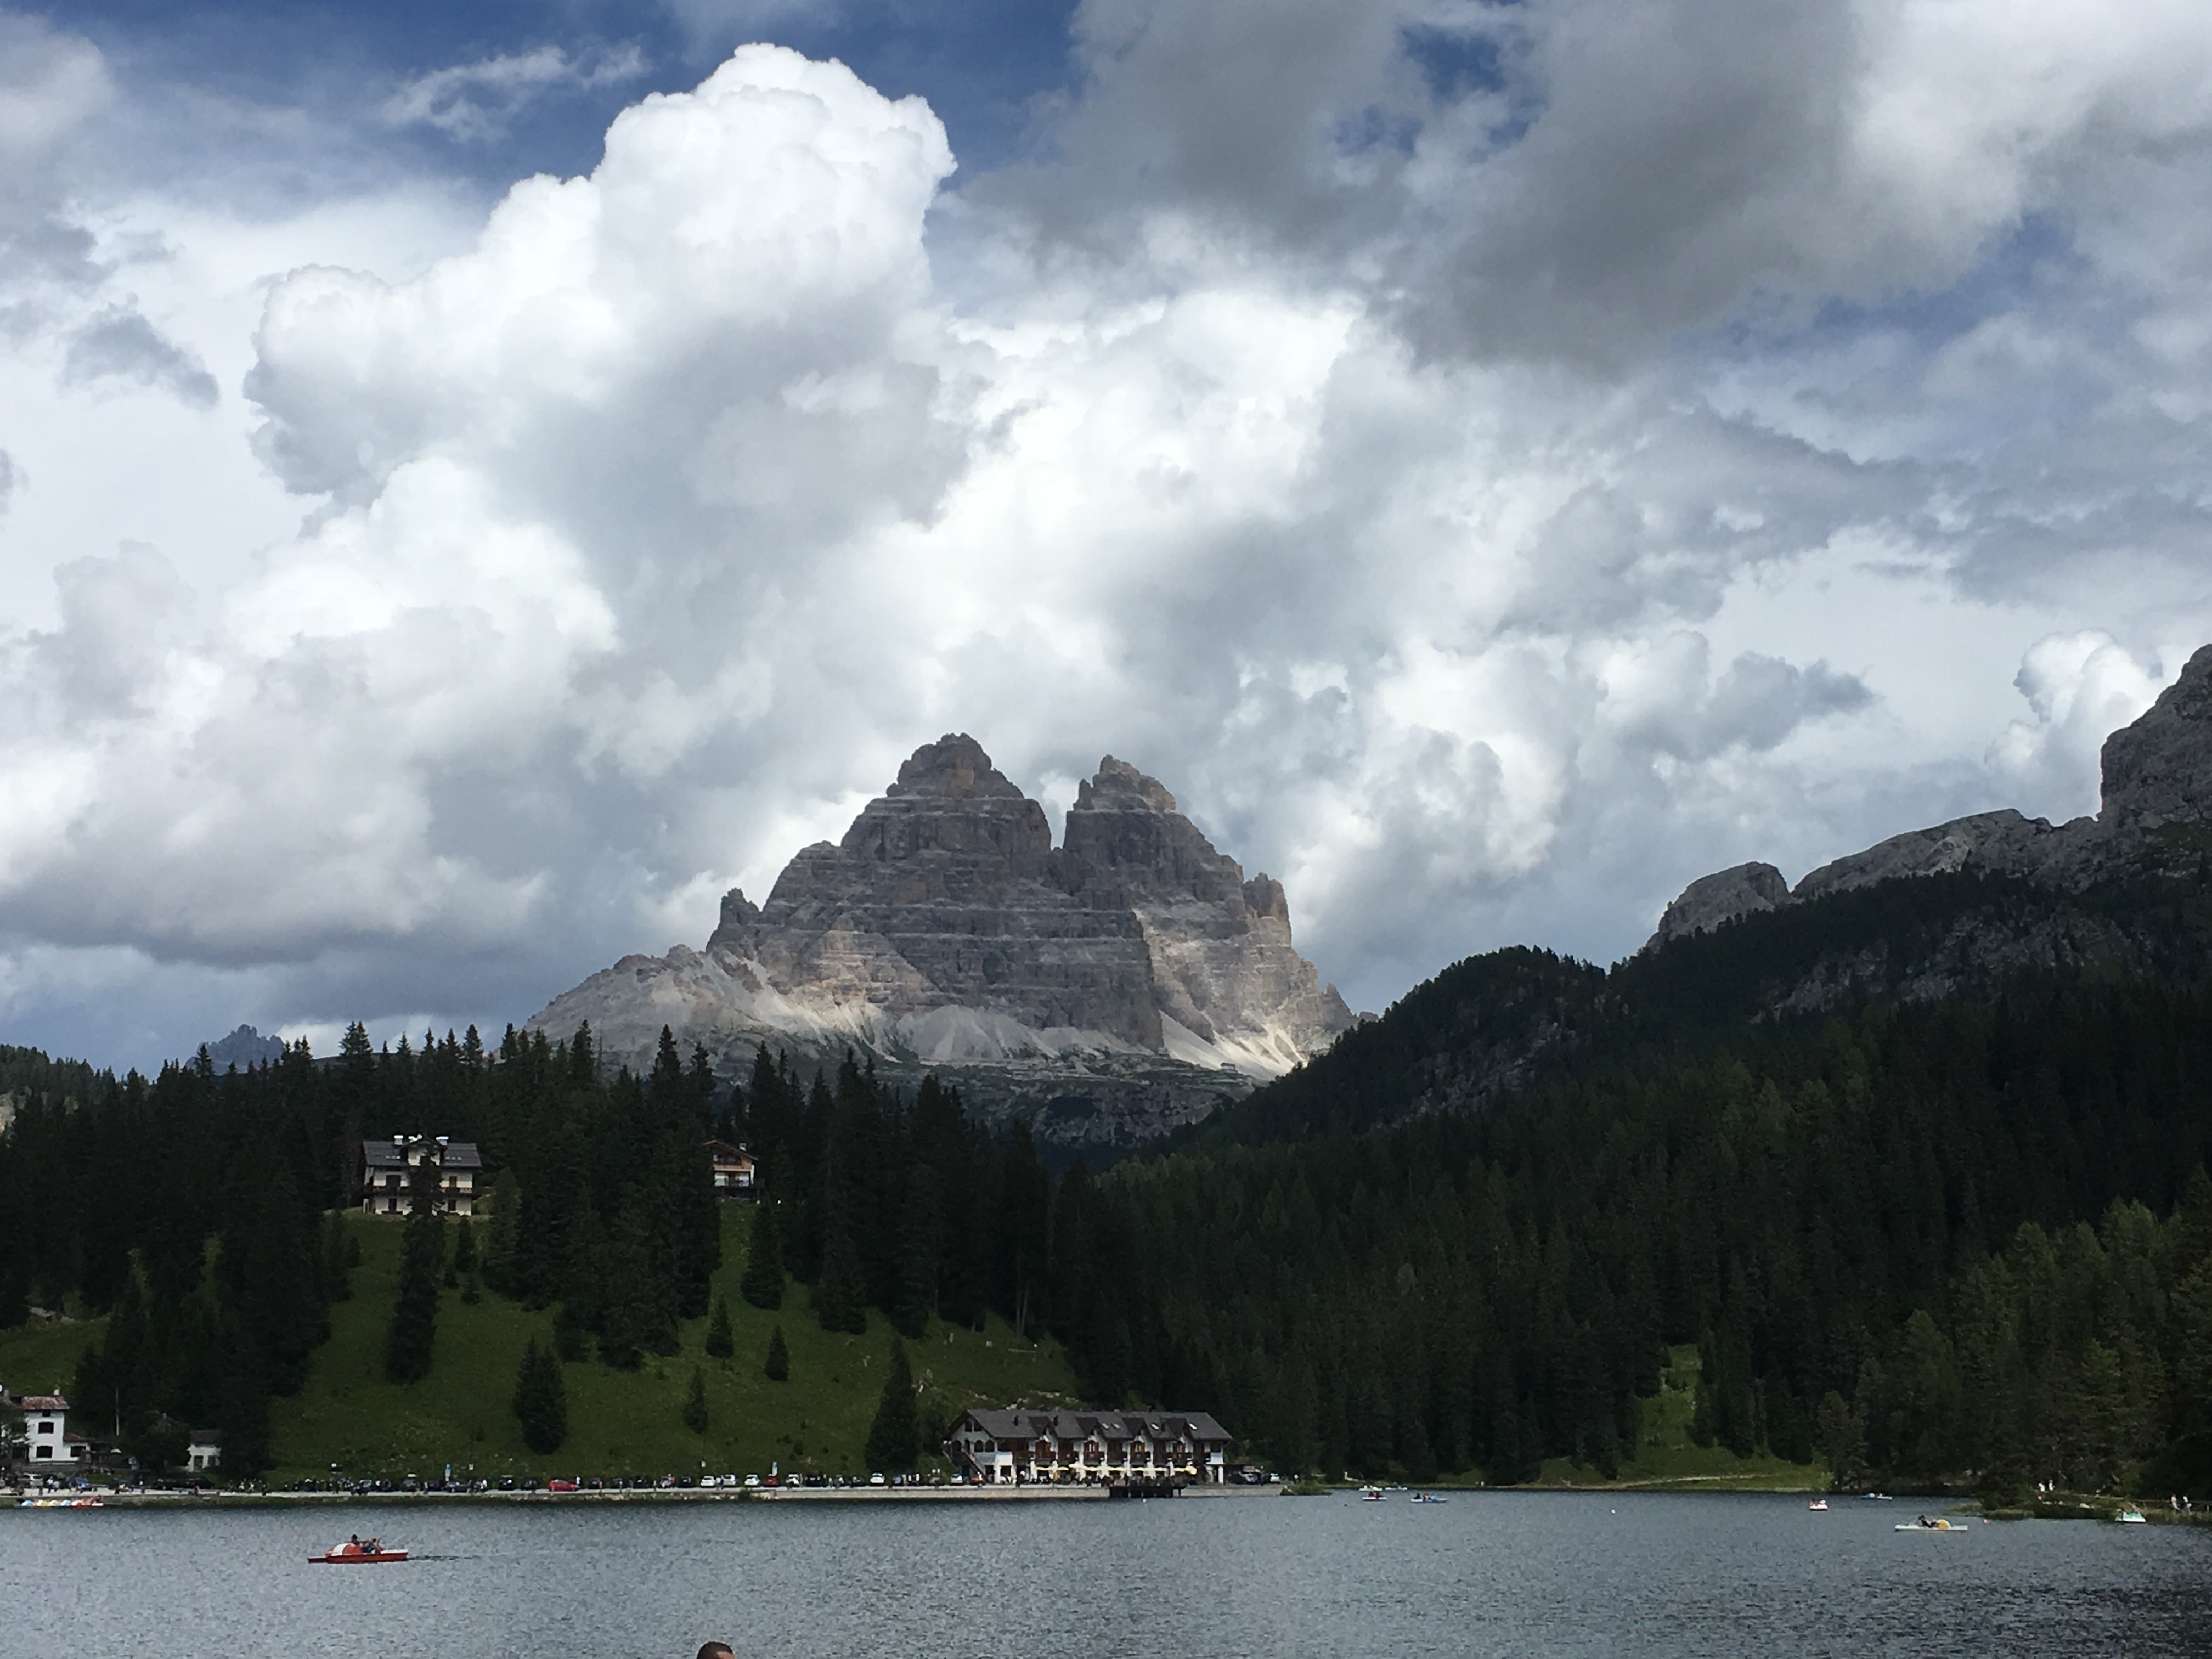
x=1106, y=990
x=2155, y=818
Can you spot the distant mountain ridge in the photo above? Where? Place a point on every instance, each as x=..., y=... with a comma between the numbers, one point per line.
x=1968, y=909
x=1107, y=989
x=244, y=1047
x=2155, y=819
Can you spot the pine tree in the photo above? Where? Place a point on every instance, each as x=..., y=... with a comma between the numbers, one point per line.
x=568, y=1334
x=409, y=1339
x=695, y=1404
x=719, y=1344
x=541, y=1399
x=921, y=1243
x=895, y=1434
x=777, y=1368
x=502, y=1248
x=837, y=1293
x=762, y=1283
x=341, y=1249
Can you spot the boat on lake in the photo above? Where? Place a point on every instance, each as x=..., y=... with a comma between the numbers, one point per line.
x=1818, y=1503
x=1929, y=1523
x=2131, y=1517
x=1427, y=1498
x=357, y=1552
x=61, y=1503
x=1371, y=1495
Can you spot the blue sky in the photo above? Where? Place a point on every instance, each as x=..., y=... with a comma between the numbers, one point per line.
x=1495, y=463
x=982, y=67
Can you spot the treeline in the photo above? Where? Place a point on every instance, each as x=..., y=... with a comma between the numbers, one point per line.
x=1842, y=1219
x=2081, y=1358
x=195, y=1209
x=909, y=1207
x=1495, y=1026
x=1933, y=1243
x=191, y=1208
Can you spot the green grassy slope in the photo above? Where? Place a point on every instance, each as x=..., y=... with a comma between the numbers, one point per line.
x=1667, y=1456
x=624, y=1423
x=619, y=1423
x=39, y=1359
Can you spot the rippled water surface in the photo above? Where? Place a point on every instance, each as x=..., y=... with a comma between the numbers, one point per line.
x=1487, y=1573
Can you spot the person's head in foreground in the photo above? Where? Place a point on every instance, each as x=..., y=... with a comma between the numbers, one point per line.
x=716, y=1650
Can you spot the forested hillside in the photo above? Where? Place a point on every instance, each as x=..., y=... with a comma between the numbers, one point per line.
x=1493, y=1026
x=1926, y=1241
x=194, y=1211
x=1916, y=1171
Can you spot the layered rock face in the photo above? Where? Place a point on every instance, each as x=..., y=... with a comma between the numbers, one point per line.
x=2155, y=809
x=1133, y=964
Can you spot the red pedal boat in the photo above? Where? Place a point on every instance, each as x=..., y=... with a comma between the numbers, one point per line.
x=357, y=1552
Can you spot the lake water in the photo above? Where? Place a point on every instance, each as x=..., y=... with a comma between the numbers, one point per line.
x=1519, y=1573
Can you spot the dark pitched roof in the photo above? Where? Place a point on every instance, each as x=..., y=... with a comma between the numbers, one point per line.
x=391, y=1153
x=1103, y=1426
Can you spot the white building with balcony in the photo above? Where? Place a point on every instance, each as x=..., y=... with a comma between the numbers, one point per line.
x=388, y=1166
x=1064, y=1448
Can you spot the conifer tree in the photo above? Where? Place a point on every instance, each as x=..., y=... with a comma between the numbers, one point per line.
x=502, y=1248
x=921, y=1246
x=695, y=1404
x=541, y=1399
x=762, y=1283
x=837, y=1292
x=895, y=1434
x=719, y=1344
x=568, y=1334
x=341, y=1251
x=777, y=1368
x=408, y=1339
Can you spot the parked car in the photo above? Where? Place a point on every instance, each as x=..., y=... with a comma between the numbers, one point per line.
x=877, y=1479
x=563, y=1485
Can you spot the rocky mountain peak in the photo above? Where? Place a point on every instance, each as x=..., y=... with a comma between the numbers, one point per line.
x=1722, y=896
x=1120, y=785
x=1126, y=844
x=945, y=929
x=2158, y=770
x=955, y=766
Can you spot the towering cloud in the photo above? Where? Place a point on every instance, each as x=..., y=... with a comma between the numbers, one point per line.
x=1498, y=461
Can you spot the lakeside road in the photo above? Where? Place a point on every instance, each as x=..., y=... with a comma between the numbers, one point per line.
x=172, y=1500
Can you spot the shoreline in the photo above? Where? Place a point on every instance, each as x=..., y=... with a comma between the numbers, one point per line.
x=2070, y=1508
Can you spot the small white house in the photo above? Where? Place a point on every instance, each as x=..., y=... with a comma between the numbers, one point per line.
x=735, y=1169
x=48, y=1443
x=203, y=1451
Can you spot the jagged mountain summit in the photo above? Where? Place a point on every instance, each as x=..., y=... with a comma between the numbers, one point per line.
x=2153, y=820
x=1125, y=981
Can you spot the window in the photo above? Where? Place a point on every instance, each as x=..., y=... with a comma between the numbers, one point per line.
x=46, y=1425
x=44, y=1451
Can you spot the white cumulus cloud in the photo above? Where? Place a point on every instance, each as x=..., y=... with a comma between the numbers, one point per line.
x=1490, y=489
